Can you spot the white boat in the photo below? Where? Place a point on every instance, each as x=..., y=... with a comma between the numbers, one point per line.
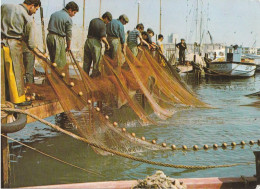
x=233, y=64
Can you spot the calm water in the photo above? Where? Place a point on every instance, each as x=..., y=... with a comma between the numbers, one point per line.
x=230, y=122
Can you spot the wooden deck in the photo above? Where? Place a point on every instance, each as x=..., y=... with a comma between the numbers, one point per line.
x=43, y=109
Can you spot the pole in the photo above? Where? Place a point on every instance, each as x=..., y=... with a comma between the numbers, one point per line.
x=64, y=3
x=43, y=31
x=160, y=16
x=100, y=1
x=138, y=12
x=84, y=6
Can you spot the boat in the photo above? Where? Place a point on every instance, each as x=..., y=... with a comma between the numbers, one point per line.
x=232, y=65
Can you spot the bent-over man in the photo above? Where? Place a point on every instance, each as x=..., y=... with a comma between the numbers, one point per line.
x=132, y=39
x=17, y=26
x=93, y=46
x=116, y=36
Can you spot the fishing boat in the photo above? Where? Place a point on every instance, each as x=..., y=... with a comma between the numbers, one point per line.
x=232, y=65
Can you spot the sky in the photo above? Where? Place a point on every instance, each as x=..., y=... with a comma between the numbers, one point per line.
x=229, y=21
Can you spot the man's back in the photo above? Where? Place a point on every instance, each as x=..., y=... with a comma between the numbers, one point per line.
x=97, y=28
x=59, y=22
x=133, y=36
x=13, y=19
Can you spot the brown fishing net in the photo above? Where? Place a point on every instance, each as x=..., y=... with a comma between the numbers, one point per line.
x=83, y=97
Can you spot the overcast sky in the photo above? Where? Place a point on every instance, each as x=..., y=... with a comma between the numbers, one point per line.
x=229, y=21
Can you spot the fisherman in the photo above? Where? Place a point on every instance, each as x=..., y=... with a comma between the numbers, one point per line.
x=145, y=37
x=60, y=27
x=181, y=46
x=93, y=46
x=159, y=42
x=132, y=38
x=17, y=26
x=160, y=52
x=116, y=36
x=150, y=35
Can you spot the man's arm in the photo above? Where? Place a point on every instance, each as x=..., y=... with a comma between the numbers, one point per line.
x=30, y=39
x=68, y=30
x=104, y=39
x=143, y=41
x=122, y=39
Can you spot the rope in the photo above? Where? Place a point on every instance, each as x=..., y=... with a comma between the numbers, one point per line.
x=52, y=157
x=117, y=152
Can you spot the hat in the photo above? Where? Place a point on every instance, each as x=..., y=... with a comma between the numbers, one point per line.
x=182, y=39
x=150, y=30
x=124, y=17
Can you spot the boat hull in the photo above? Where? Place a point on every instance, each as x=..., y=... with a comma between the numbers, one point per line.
x=235, y=69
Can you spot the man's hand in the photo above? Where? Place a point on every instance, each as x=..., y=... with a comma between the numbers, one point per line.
x=68, y=49
x=107, y=46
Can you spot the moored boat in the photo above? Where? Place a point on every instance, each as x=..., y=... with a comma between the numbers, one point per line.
x=233, y=64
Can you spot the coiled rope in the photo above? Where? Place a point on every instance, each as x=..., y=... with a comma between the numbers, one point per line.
x=117, y=152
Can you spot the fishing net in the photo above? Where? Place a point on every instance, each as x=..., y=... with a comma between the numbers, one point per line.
x=83, y=97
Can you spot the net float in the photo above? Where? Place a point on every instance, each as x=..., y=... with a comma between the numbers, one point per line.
x=215, y=146
x=115, y=124
x=195, y=147
x=251, y=142
x=28, y=98
x=72, y=84
x=206, y=147
x=107, y=117
x=80, y=93
x=173, y=147
x=224, y=145
x=233, y=144
x=143, y=138
x=242, y=142
x=124, y=129
x=33, y=97
x=97, y=109
x=154, y=141
x=164, y=144
x=184, y=147
x=89, y=101
x=33, y=94
x=63, y=74
x=54, y=65
x=133, y=134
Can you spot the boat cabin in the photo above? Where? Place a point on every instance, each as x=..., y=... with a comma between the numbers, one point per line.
x=233, y=53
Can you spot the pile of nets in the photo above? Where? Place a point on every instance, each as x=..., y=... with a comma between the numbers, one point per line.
x=83, y=97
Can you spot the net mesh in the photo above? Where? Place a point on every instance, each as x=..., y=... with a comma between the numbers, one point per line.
x=83, y=97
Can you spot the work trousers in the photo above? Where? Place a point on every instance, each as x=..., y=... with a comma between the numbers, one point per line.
x=28, y=60
x=16, y=54
x=133, y=47
x=115, y=51
x=182, y=57
x=92, y=53
x=57, y=49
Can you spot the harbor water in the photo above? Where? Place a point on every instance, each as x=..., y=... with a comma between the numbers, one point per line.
x=231, y=119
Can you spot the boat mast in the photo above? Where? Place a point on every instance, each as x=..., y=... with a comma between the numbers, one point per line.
x=160, y=16
x=100, y=1
x=138, y=12
x=84, y=5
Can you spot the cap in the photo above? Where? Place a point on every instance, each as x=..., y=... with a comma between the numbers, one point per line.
x=150, y=30
x=182, y=39
x=124, y=17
